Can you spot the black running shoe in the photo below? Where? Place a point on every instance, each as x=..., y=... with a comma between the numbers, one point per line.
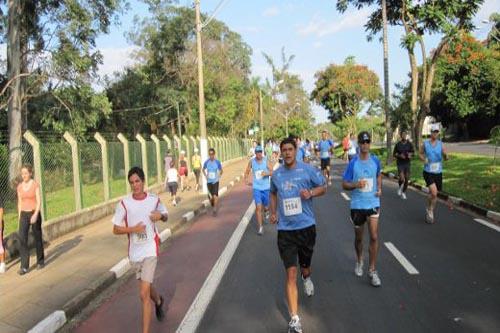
x=159, y=310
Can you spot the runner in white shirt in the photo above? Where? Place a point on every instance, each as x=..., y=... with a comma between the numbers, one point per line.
x=172, y=182
x=135, y=216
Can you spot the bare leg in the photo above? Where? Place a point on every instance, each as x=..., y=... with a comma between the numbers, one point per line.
x=373, y=229
x=259, y=215
x=145, y=294
x=292, y=294
x=358, y=242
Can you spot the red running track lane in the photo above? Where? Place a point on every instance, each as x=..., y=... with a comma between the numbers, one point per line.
x=182, y=269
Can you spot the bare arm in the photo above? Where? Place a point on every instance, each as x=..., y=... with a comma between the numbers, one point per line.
x=445, y=153
x=421, y=153
x=247, y=171
x=269, y=169
x=119, y=230
x=349, y=186
x=19, y=202
x=273, y=205
x=379, y=185
x=34, y=217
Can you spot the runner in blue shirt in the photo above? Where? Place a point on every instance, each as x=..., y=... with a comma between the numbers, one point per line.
x=362, y=176
x=432, y=154
x=293, y=185
x=212, y=169
x=261, y=170
x=325, y=147
x=301, y=152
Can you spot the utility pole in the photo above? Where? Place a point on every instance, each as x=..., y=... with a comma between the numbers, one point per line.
x=261, y=119
x=179, y=120
x=201, y=93
x=388, y=129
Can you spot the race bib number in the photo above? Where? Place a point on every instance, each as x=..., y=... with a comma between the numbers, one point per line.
x=368, y=185
x=212, y=175
x=258, y=174
x=292, y=206
x=140, y=238
x=434, y=167
x=325, y=154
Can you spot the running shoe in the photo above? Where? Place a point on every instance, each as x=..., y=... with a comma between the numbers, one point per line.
x=403, y=195
x=160, y=315
x=22, y=271
x=214, y=212
x=329, y=183
x=358, y=269
x=429, y=216
x=308, y=286
x=400, y=190
x=266, y=217
x=294, y=326
x=374, y=278
x=261, y=230
x=2, y=268
x=174, y=203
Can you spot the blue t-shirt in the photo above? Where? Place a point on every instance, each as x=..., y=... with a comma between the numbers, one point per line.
x=364, y=169
x=259, y=182
x=301, y=153
x=324, y=148
x=213, y=168
x=294, y=213
x=434, y=155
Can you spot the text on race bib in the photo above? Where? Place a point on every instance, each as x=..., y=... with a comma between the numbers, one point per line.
x=368, y=185
x=140, y=238
x=325, y=154
x=258, y=174
x=434, y=167
x=292, y=206
x=212, y=175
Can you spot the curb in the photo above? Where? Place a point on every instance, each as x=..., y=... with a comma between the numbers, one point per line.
x=59, y=318
x=455, y=200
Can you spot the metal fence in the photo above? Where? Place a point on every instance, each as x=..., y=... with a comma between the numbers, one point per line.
x=76, y=175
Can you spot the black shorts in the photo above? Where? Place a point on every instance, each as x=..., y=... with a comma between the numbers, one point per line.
x=213, y=189
x=359, y=216
x=325, y=163
x=172, y=187
x=434, y=178
x=293, y=243
x=404, y=168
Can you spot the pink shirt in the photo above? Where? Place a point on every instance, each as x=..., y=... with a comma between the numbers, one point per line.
x=27, y=198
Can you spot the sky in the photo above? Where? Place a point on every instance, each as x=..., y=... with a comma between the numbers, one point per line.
x=312, y=30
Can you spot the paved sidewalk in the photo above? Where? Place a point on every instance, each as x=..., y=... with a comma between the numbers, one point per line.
x=76, y=260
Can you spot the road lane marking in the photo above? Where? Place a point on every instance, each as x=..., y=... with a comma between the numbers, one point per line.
x=401, y=258
x=197, y=309
x=345, y=196
x=488, y=224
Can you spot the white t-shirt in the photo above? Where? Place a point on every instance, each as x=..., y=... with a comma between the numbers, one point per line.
x=129, y=213
x=172, y=175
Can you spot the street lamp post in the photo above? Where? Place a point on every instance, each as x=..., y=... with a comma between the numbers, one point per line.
x=286, y=114
x=201, y=93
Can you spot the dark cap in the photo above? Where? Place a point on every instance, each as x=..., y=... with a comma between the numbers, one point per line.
x=364, y=136
x=258, y=149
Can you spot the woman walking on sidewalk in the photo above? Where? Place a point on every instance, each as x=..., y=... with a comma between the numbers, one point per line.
x=183, y=171
x=28, y=207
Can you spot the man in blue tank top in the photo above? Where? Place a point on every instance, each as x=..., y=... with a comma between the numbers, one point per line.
x=261, y=170
x=212, y=170
x=362, y=176
x=432, y=153
x=293, y=185
x=325, y=147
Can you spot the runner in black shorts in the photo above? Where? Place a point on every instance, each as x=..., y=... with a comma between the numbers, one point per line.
x=212, y=169
x=293, y=185
x=403, y=152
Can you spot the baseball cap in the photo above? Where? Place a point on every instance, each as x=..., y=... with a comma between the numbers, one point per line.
x=435, y=127
x=258, y=149
x=364, y=136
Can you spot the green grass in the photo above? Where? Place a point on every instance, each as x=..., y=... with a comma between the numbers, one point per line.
x=473, y=178
x=62, y=201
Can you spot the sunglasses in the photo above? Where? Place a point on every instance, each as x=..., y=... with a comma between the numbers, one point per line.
x=364, y=141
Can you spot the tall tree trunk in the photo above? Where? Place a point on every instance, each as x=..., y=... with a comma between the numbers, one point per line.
x=23, y=82
x=13, y=72
x=388, y=128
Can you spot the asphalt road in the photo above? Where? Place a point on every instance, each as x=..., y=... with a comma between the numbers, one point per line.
x=457, y=288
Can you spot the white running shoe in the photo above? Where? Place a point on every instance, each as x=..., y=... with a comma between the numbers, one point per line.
x=403, y=195
x=358, y=269
x=374, y=278
x=261, y=230
x=329, y=183
x=294, y=325
x=429, y=216
x=308, y=286
x=2, y=268
x=400, y=190
x=174, y=203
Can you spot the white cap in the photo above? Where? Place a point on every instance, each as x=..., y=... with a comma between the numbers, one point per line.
x=435, y=127
x=183, y=152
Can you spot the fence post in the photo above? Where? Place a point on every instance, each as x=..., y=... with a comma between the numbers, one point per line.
x=105, y=164
x=178, y=143
x=169, y=142
x=144, y=156
x=77, y=170
x=126, y=158
x=188, y=152
x=38, y=168
x=220, y=141
x=158, y=157
x=194, y=143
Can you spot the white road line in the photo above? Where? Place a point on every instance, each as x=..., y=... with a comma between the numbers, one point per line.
x=198, y=307
x=345, y=196
x=401, y=258
x=488, y=224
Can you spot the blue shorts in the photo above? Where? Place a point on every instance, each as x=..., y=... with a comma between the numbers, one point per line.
x=261, y=197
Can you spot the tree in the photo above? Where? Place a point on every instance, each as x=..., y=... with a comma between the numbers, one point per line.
x=345, y=89
x=444, y=17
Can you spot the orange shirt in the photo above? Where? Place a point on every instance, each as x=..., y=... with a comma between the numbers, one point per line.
x=27, y=198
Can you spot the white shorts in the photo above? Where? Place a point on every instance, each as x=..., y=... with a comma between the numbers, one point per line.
x=145, y=269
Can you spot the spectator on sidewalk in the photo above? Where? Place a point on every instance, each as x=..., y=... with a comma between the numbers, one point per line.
x=196, y=163
x=168, y=160
x=28, y=206
x=183, y=171
x=172, y=182
x=2, y=250
x=136, y=216
x=353, y=148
